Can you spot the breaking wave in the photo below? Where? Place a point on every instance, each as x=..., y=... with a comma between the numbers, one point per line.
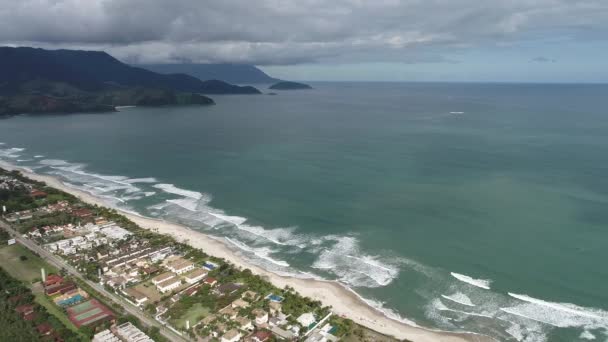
x=482, y=283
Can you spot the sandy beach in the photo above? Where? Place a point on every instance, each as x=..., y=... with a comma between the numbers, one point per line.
x=343, y=301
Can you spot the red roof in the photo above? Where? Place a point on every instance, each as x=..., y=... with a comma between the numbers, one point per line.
x=44, y=328
x=210, y=280
x=53, y=279
x=25, y=309
x=262, y=335
x=37, y=193
x=84, y=212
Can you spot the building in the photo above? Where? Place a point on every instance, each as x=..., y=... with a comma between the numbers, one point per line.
x=162, y=277
x=37, y=194
x=114, y=232
x=239, y=303
x=250, y=295
x=261, y=316
x=227, y=289
x=169, y=285
x=138, y=297
x=261, y=336
x=210, y=281
x=130, y=333
x=105, y=336
x=306, y=319
x=275, y=308
x=180, y=266
x=195, y=276
x=232, y=335
x=244, y=323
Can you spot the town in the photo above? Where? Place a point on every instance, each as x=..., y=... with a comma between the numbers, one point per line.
x=109, y=280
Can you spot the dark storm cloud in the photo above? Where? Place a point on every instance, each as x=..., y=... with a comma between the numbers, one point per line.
x=289, y=31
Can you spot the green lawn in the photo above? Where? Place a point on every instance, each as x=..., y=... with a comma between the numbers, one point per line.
x=25, y=270
x=195, y=314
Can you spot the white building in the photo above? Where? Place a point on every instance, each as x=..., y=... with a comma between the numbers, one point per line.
x=261, y=316
x=180, y=266
x=169, y=285
x=162, y=278
x=195, y=276
x=306, y=319
x=114, y=232
x=129, y=333
x=232, y=335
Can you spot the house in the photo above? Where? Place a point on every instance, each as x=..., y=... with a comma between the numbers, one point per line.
x=239, y=304
x=316, y=337
x=227, y=289
x=275, y=308
x=195, y=276
x=44, y=329
x=25, y=309
x=306, y=319
x=83, y=213
x=162, y=277
x=37, y=194
x=210, y=281
x=59, y=288
x=169, y=285
x=180, y=266
x=207, y=320
x=244, y=323
x=53, y=279
x=261, y=316
x=229, y=312
x=130, y=333
x=261, y=336
x=231, y=336
x=138, y=297
x=250, y=295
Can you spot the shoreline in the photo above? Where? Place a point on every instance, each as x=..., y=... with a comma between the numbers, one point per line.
x=343, y=300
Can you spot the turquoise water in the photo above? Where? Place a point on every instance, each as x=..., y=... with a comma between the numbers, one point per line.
x=477, y=207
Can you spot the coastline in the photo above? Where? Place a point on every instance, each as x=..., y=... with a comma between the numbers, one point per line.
x=344, y=301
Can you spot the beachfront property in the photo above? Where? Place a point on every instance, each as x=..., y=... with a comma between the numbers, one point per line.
x=239, y=304
x=195, y=276
x=180, y=266
x=306, y=319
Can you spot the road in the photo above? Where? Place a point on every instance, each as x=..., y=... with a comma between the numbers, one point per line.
x=59, y=263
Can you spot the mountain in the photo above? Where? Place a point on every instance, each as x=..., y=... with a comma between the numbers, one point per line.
x=95, y=71
x=289, y=86
x=232, y=73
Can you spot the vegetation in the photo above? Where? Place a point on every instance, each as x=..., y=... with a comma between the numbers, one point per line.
x=22, y=264
x=13, y=326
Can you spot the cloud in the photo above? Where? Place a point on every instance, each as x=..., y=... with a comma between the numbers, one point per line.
x=542, y=59
x=283, y=32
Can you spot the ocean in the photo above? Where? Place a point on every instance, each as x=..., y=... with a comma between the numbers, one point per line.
x=461, y=207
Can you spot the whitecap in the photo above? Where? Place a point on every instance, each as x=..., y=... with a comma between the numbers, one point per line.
x=263, y=252
x=482, y=283
x=587, y=335
x=353, y=268
x=459, y=298
x=172, y=189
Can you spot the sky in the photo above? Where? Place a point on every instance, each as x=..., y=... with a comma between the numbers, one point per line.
x=334, y=40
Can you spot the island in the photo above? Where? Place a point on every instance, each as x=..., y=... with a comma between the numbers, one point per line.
x=286, y=85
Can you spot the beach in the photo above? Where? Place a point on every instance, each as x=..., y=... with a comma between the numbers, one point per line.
x=344, y=302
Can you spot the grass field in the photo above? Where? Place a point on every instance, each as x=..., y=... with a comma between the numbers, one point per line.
x=25, y=270
x=195, y=314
